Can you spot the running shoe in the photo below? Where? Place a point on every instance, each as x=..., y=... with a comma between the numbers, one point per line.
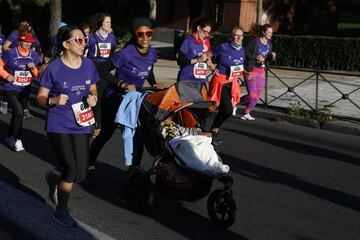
x=247, y=116
x=234, y=111
x=10, y=142
x=18, y=146
x=63, y=217
x=3, y=107
x=52, y=180
x=27, y=114
x=216, y=139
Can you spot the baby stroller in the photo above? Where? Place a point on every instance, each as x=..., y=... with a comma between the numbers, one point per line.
x=185, y=104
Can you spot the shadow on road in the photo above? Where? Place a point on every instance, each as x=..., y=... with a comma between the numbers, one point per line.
x=166, y=211
x=266, y=174
x=302, y=148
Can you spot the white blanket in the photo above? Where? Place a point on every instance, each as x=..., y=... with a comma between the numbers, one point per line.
x=198, y=153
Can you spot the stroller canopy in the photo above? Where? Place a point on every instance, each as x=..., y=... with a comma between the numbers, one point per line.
x=182, y=94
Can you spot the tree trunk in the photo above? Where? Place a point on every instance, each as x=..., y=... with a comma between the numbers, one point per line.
x=152, y=13
x=16, y=12
x=259, y=11
x=55, y=16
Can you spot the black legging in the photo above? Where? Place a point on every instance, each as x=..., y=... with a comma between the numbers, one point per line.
x=225, y=107
x=108, y=113
x=101, y=85
x=72, y=154
x=17, y=101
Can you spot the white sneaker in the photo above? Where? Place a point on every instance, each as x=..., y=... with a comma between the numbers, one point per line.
x=247, y=116
x=234, y=111
x=18, y=146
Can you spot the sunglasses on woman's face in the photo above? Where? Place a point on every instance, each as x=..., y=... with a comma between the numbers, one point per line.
x=147, y=34
x=80, y=40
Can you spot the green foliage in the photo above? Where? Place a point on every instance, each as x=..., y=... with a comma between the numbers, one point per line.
x=41, y=3
x=322, y=115
x=295, y=109
x=315, y=52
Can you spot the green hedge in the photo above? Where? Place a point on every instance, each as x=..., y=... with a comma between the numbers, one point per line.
x=317, y=52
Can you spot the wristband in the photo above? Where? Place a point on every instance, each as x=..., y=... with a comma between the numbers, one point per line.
x=50, y=103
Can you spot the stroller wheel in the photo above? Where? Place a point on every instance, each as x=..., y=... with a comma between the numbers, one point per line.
x=221, y=208
x=137, y=190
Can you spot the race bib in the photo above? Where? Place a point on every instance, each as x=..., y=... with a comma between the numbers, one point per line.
x=104, y=49
x=84, y=115
x=200, y=70
x=235, y=71
x=22, y=78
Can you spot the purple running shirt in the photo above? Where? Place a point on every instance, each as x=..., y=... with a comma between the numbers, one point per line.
x=60, y=79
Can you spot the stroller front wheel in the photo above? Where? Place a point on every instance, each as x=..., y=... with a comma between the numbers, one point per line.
x=137, y=190
x=221, y=208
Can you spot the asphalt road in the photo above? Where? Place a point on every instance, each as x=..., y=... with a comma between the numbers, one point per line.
x=291, y=182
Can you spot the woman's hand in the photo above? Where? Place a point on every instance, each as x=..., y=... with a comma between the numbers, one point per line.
x=260, y=59
x=91, y=100
x=31, y=65
x=59, y=100
x=273, y=55
x=130, y=87
x=202, y=58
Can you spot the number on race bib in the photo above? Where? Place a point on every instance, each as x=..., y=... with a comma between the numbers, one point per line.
x=200, y=70
x=84, y=115
x=22, y=78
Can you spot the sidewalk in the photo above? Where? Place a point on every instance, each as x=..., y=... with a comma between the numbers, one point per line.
x=166, y=70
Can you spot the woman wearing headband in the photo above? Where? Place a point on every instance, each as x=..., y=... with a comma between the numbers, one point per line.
x=18, y=67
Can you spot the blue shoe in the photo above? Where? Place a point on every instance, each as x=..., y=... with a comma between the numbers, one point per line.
x=62, y=217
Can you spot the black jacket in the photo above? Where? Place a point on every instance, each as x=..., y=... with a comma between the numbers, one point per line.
x=250, y=55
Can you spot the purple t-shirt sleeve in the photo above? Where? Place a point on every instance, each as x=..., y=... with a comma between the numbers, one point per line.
x=94, y=73
x=119, y=59
x=114, y=43
x=45, y=79
x=185, y=46
x=13, y=36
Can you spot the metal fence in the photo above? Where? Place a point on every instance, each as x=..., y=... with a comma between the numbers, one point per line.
x=314, y=90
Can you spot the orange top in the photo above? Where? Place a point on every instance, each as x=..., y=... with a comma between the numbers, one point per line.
x=4, y=74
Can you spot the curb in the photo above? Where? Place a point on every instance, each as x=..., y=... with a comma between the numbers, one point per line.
x=341, y=126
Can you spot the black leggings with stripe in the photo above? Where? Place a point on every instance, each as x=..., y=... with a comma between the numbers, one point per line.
x=72, y=154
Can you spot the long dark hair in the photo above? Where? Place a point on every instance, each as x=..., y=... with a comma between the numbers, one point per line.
x=258, y=30
x=96, y=20
x=63, y=35
x=202, y=22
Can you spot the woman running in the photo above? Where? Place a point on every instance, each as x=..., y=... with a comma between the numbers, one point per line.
x=18, y=67
x=134, y=64
x=193, y=58
x=12, y=41
x=102, y=45
x=258, y=53
x=224, y=87
x=68, y=89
